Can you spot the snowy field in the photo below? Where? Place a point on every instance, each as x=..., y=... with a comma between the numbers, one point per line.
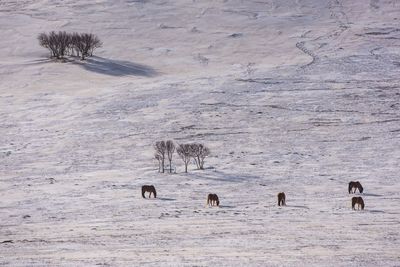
x=295, y=96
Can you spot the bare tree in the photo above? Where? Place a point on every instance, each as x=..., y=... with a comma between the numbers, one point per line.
x=62, y=43
x=158, y=158
x=184, y=152
x=44, y=41
x=161, y=149
x=85, y=44
x=75, y=39
x=199, y=152
x=63, y=39
x=204, y=152
x=170, y=152
x=58, y=43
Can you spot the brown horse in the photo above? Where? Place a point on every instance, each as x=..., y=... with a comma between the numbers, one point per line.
x=150, y=189
x=212, y=200
x=355, y=186
x=359, y=201
x=281, y=199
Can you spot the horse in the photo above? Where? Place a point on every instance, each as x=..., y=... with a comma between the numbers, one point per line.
x=212, y=200
x=150, y=189
x=281, y=199
x=355, y=186
x=359, y=201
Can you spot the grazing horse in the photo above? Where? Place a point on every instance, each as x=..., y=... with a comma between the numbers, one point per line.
x=212, y=200
x=355, y=186
x=150, y=189
x=359, y=201
x=281, y=199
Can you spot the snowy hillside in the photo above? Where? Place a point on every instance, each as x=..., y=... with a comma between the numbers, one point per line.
x=295, y=96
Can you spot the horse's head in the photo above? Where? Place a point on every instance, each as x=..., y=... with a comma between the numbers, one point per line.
x=217, y=202
x=360, y=188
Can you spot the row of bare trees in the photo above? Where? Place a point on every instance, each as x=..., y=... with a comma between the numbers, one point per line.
x=61, y=44
x=166, y=149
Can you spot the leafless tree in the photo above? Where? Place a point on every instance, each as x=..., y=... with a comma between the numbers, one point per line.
x=85, y=44
x=158, y=158
x=75, y=39
x=57, y=43
x=62, y=43
x=184, y=152
x=199, y=152
x=170, y=152
x=64, y=40
x=44, y=41
x=161, y=149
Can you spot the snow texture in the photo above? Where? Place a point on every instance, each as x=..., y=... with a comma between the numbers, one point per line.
x=295, y=96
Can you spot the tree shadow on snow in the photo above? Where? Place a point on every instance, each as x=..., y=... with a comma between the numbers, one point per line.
x=116, y=67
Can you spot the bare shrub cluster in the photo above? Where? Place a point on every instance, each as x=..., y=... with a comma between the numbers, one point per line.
x=61, y=44
x=187, y=152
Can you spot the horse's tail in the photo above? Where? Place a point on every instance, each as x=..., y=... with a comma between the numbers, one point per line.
x=217, y=200
x=143, y=191
x=350, y=187
x=360, y=188
x=208, y=200
x=154, y=192
x=362, y=203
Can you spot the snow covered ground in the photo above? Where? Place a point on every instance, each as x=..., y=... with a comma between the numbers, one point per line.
x=295, y=96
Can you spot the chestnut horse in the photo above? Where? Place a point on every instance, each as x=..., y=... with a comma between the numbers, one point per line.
x=150, y=189
x=281, y=199
x=212, y=200
x=359, y=201
x=355, y=186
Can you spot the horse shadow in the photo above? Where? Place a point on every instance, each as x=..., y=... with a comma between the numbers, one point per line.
x=298, y=206
x=117, y=68
x=166, y=199
x=376, y=211
x=371, y=195
x=227, y=206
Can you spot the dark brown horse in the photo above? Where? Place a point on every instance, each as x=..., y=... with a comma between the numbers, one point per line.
x=359, y=201
x=150, y=189
x=355, y=186
x=281, y=199
x=212, y=200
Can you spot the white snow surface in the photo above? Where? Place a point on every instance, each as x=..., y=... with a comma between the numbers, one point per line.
x=295, y=96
